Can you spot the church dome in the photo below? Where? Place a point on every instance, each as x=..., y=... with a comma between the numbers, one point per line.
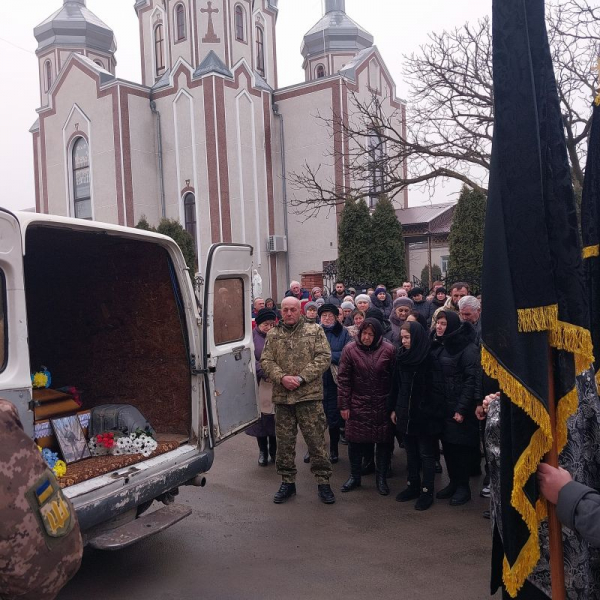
x=74, y=26
x=335, y=32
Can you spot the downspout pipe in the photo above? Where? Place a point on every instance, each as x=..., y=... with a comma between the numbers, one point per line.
x=284, y=189
x=161, y=169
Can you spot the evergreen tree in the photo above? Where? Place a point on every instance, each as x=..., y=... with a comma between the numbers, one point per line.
x=355, y=243
x=466, y=238
x=174, y=230
x=436, y=274
x=387, y=246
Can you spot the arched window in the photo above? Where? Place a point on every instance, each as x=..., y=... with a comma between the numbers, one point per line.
x=99, y=63
x=320, y=72
x=189, y=208
x=240, y=21
x=180, y=33
x=48, y=75
x=260, y=50
x=159, y=49
x=82, y=199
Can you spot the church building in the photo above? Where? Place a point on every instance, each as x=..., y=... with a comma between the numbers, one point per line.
x=207, y=137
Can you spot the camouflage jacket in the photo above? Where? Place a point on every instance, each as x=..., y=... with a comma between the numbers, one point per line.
x=304, y=351
x=40, y=543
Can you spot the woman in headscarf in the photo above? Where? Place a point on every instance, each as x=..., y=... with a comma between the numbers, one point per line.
x=383, y=301
x=456, y=374
x=439, y=298
x=401, y=311
x=364, y=381
x=417, y=413
x=264, y=429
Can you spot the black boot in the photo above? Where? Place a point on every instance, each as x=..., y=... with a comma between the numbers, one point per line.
x=263, y=451
x=425, y=499
x=272, y=447
x=334, y=439
x=448, y=491
x=461, y=496
x=343, y=439
x=368, y=461
x=382, y=459
x=326, y=495
x=411, y=492
x=286, y=491
x=355, y=458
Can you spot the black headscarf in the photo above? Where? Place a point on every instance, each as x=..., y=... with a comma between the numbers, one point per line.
x=377, y=330
x=452, y=319
x=420, y=345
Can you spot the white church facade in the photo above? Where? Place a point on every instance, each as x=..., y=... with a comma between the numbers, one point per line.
x=207, y=138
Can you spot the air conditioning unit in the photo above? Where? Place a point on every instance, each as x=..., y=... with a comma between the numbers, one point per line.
x=276, y=243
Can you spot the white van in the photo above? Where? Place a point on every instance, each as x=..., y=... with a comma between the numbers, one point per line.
x=114, y=312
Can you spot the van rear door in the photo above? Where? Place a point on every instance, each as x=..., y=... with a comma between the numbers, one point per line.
x=229, y=362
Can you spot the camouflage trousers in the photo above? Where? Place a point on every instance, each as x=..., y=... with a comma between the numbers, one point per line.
x=311, y=419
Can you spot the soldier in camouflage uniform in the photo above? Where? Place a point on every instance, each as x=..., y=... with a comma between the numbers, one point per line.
x=295, y=357
x=40, y=543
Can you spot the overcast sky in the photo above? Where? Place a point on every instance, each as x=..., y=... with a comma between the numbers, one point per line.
x=399, y=28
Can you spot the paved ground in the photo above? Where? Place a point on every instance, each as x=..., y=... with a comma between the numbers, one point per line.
x=238, y=545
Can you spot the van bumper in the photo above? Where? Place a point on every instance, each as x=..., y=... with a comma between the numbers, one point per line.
x=107, y=504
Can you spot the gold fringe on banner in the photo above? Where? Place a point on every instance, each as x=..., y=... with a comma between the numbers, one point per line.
x=591, y=251
x=541, y=318
x=541, y=441
x=574, y=339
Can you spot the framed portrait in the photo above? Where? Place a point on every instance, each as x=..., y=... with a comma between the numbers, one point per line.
x=71, y=438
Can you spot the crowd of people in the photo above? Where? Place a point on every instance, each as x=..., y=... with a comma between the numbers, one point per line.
x=379, y=370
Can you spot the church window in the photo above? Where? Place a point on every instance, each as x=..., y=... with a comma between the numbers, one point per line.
x=260, y=50
x=82, y=199
x=159, y=49
x=180, y=22
x=376, y=146
x=240, y=20
x=320, y=72
x=99, y=63
x=189, y=208
x=48, y=75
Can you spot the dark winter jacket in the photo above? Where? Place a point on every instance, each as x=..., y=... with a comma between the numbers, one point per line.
x=385, y=307
x=364, y=381
x=303, y=295
x=259, y=339
x=338, y=337
x=335, y=299
x=456, y=373
x=395, y=324
x=426, y=309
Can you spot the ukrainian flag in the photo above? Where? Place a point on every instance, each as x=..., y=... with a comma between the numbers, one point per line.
x=44, y=492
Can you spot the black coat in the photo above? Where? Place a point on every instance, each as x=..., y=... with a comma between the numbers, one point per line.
x=420, y=407
x=456, y=374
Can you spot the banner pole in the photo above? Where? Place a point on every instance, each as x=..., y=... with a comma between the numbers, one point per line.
x=557, y=562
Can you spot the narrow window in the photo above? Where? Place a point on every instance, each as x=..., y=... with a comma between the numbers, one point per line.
x=189, y=208
x=240, y=30
x=159, y=49
x=180, y=22
x=320, y=72
x=376, y=167
x=48, y=75
x=82, y=200
x=260, y=50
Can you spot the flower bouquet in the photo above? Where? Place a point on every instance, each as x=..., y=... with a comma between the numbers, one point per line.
x=117, y=443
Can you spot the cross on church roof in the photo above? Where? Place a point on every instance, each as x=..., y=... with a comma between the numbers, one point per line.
x=211, y=36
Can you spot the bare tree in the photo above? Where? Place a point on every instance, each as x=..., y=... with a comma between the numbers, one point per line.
x=450, y=114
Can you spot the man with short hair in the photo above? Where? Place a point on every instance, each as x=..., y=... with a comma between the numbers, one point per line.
x=459, y=290
x=469, y=310
x=295, y=356
x=297, y=291
x=339, y=294
x=259, y=304
x=407, y=285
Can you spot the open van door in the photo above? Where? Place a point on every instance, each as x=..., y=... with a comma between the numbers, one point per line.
x=229, y=366
x=15, y=380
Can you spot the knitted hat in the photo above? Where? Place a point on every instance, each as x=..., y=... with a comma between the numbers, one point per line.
x=441, y=290
x=403, y=302
x=308, y=305
x=332, y=308
x=362, y=298
x=348, y=306
x=265, y=314
x=415, y=292
x=320, y=301
x=315, y=289
x=380, y=290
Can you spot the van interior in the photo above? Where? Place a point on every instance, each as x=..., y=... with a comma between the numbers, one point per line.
x=105, y=315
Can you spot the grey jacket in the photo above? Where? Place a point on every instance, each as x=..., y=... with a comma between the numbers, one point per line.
x=579, y=509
